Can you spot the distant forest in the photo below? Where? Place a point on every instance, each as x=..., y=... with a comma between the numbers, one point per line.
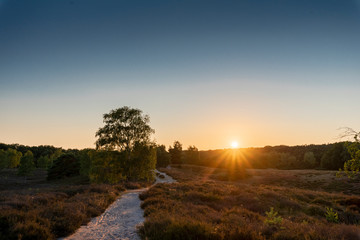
x=324, y=156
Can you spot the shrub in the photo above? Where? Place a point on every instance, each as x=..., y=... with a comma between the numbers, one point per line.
x=272, y=218
x=64, y=166
x=331, y=215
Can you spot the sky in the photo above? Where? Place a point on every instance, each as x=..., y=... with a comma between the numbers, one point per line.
x=260, y=72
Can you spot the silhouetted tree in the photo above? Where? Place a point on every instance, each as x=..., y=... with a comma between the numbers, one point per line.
x=124, y=127
x=176, y=153
x=162, y=156
x=192, y=155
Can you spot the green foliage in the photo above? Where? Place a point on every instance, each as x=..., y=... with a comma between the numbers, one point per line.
x=27, y=165
x=113, y=166
x=56, y=154
x=85, y=161
x=335, y=157
x=309, y=159
x=331, y=215
x=176, y=153
x=124, y=127
x=3, y=159
x=67, y=165
x=162, y=156
x=107, y=166
x=9, y=158
x=43, y=162
x=352, y=166
x=13, y=157
x=142, y=162
x=272, y=217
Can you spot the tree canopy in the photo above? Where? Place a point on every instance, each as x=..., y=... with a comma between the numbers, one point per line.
x=124, y=127
x=352, y=166
x=27, y=165
x=176, y=153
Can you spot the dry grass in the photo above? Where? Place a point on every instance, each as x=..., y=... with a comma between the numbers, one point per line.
x=202, y=207
x=41, y=210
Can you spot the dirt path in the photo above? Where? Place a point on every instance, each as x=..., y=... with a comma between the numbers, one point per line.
x=119, y=221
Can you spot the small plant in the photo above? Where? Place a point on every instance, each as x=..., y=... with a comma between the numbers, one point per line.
x=331, y=215
x=272, y=217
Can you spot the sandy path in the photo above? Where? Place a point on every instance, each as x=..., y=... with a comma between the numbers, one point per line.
x=119, y=221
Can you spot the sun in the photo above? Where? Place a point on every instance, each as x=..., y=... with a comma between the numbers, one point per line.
x=234, y=144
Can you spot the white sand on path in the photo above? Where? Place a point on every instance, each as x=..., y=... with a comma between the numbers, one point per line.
x=120, y=219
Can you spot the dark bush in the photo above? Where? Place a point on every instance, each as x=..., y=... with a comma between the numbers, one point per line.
x=67, y=165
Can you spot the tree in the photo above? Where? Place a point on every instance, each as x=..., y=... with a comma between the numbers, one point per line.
x=124, y=127
x=3, y=159
x=162, y=156
x=27, y=165
x=67, y=165
x=55, y=155
x=309, y=159
x=335, y=157
x=192, y=155
x=43, y=162
x=13, y=157
x=352, y=166
x=176, y=153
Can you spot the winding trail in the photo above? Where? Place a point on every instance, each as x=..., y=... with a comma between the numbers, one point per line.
x=120, y=219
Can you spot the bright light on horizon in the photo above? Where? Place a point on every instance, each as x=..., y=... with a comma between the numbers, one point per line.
x=234, y=144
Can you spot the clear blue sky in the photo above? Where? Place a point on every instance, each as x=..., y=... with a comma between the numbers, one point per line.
x=207, y=72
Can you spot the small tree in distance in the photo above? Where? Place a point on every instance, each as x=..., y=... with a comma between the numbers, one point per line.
x=192, y=155
x=176, y=153
x=162, y=156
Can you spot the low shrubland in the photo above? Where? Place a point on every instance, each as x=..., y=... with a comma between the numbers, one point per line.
x=204, y=206
x=39, y=209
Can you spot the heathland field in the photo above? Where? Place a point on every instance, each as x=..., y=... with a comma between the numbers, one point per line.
x=34, y=208
x=265, y=204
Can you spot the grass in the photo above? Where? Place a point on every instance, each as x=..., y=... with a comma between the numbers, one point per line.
x=37, y=209
x=203, y=206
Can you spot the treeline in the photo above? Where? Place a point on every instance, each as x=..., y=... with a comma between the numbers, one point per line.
x=97, y=166
x=324, y=156
x=43, y=156
x=113, y=166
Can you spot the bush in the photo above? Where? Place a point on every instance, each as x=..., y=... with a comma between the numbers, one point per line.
x=331, y=215
x=272, y=218
x=64, y=166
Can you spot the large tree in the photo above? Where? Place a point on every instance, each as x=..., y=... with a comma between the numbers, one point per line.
x=124, y=127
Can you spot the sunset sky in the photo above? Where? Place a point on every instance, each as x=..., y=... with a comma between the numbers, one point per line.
x=207, y=72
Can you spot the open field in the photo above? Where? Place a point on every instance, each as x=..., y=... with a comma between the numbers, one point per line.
x=307, y=204
x=38, y=209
